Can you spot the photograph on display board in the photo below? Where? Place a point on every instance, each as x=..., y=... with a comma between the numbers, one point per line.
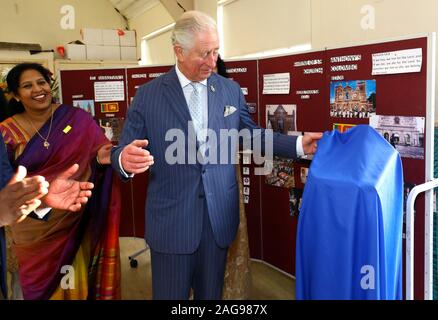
x=353, y=99
x=246, y=159
x=109, y=107
x=406, y=134
x=112, y=127
x=282, y=173
x=86, y=105
x=303, y=174
x=295, y=196
x=252, y=107
x=342, y=127
x=281, y=118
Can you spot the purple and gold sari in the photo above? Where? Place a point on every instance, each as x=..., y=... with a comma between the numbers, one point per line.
x=47, y=250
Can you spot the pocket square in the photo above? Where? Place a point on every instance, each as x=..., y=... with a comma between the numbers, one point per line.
x=229, y=110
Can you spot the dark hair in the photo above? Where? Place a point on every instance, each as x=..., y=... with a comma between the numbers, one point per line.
x=14, y=75
x=13, y=82
x=3, y=106
x=221, y=69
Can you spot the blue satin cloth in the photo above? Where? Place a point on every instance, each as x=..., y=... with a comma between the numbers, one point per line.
x=349, y=240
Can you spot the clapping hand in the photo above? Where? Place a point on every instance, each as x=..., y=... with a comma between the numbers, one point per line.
x=21, y=196
x=66, y=193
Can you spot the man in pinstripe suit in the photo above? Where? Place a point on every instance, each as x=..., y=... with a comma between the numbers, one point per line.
x=192, y=209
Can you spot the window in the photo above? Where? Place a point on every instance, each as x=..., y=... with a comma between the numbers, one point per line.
x=156, y=47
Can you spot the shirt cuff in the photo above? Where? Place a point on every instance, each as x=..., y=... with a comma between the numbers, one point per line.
x=300, y=151
x=42, y=212
x=126, y=175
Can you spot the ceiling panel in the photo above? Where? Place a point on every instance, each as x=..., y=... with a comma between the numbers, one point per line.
x=133, y=8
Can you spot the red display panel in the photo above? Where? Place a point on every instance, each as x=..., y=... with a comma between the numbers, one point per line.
x=140, y=75
x=306, y=97
x=396, y=94
x=104, y=88
x=78, y=88
x=402, y=94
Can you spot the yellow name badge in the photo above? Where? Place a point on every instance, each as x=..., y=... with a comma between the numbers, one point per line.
x=67, y=129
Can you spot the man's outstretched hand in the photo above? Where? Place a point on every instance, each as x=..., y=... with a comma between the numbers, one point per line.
x=66, y=193
x=310, y=140
x=135, y=159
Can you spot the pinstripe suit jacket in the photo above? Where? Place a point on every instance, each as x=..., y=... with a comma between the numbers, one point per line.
x=5, y=176
x=177, y=193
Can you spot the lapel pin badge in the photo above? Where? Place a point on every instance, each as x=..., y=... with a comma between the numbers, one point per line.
x=67, y=129
x=212, y=88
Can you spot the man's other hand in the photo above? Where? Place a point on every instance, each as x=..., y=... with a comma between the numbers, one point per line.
x=310, y=140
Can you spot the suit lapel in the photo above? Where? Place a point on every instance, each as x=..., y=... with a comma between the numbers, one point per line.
x=215, y=110
x=178, y=105
x=175, y=96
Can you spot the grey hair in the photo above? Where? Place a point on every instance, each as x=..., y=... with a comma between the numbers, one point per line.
x=190, y=23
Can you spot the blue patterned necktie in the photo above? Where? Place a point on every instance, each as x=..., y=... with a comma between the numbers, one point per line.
x=195, y=108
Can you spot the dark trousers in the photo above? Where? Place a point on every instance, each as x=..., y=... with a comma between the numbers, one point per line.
x=173, y=275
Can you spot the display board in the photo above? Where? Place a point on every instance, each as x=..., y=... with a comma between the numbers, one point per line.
x=101, y=92
x=388, y=85
x=381, y=84
x=290, y=94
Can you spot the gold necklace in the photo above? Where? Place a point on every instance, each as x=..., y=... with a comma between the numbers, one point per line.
x=46, y=143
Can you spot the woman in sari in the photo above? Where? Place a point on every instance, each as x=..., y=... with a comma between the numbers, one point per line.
x=69, y=255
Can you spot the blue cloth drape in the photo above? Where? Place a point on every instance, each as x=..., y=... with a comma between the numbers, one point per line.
x=349, y=239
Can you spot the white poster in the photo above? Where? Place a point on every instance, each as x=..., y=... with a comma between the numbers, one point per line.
x=109, y=91
x=402, y=61
x=278, y=83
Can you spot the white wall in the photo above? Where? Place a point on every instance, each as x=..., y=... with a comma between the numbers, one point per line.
x=207, y=6
x=338, y=22
x=159, y=50
x=152, y=20
x=38, y=21
x=258, y=25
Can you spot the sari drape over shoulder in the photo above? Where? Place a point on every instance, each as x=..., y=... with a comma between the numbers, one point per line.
x=46, y=249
